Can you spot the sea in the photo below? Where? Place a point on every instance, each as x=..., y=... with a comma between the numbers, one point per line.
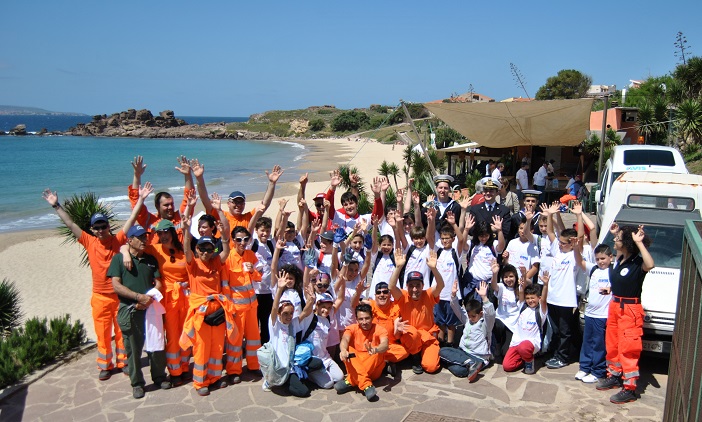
x=73, y=165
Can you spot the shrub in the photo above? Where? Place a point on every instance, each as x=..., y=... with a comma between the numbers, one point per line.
x=10, y=310
x=80, y=208
x=36, y=345
x=446, y=136
x=325, y=111
x=376, y=121
x=349, y=121
x=317, y=124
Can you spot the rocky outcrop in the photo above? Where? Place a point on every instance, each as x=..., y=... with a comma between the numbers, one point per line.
x=19, y=130
x=143, y=124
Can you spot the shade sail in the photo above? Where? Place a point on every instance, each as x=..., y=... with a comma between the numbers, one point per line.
x=504, y=125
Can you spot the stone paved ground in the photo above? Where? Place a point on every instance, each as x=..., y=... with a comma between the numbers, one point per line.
x=73, y=393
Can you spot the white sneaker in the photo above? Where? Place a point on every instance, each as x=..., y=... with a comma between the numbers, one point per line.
x=580, y=375
x=589, y=379
x=265, y=386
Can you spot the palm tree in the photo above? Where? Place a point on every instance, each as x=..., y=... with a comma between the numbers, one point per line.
x=10, y=309
x=393, y=170
x=80, y=208
x=384, y=169
x=592, y=144
x=689, y=121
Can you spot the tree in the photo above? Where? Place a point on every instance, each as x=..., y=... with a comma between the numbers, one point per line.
x=317, y=124
x=689, y=121
x=650, y=90
x=349, y=121
x=690, y=77
x=592, y=144
x=652, y=121
x=446, y=136
x=80, y=208
x=567, y=84
x=680, y=46
x=10, y=307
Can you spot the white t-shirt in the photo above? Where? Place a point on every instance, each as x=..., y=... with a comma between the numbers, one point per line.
x=265, y=257
x=346, y=314
x=291, y=254
x=292, y=296
x=496, y=174
x=522, y=253
x=598, y=304
x=526, y=328
x=540, y=176
x=319, y=336
x=480, y=259
x=386, y=229
x=580, y=274
x=348, y=223
x=522, y=179
x=326, y=263
x=507, y=309
x=561, y=287
x=383, y=272
x=418, y=262
x=449, y=272
x=279, y=338
x=545, y=258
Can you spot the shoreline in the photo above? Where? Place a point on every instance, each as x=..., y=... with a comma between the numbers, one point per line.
x=52, y=282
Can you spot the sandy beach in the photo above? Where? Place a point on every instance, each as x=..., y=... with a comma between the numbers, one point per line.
x=52, y=282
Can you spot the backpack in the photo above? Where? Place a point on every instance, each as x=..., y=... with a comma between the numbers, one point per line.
x=409, y=253
x=378, y=257
x=585, y=289
x=269, y=243
x=546, y=334
x=274, y=373
x=467, y=278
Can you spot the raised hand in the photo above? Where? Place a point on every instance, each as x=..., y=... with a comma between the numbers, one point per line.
x=614, y=229
x=282, y=202
x=529, y=214
x=138, y=165
x=375, y=186
x=384, y=184
x=304, y=179
x=496, y=225
x=454, y=288
x=544, y=209
x=327, y=204
x=355, y=179
x=301, y=203
x=465, y=202
x=375, y=220
x=363, y=223
x=577, y=208
x=450, y=218
x=523, y=271
x=399, y=258
x=431, y=261
x=638, y=237
x=275, y=174
x=494, y=266
x=415, y=198
x=545, y=278
x=505, y=256
x=335, y=178
x=191, y=196
x=309, y=291
x=554, y=208
x=400, y=195
x=283, y=279
x=280, y=244
x=400, y=325
x=216, y=200
x=482, y=289
x=470, y=221
x=431, y=214
x=197, y=168
x=399, y=219
x=184, y=165
x=145, y=191
x=316, y=225
x=51, y=197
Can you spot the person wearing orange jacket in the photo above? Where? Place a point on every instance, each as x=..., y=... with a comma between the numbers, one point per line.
x=163, y=200
x=209, y=292
x=626, y=314
x=417, y=312
x=101, y=245
x=241, y=265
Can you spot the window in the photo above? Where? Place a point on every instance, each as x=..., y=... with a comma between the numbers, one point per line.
x=661, y=202
x=666, y=244
x=647, y=157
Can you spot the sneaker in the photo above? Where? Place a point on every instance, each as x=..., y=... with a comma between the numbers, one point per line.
x=589, y=379
x=473, y=370
x=202, y=392
x=176, y=380
x=265, y=387
x=555, y=363
x=220, y=383
x=370, y=393
x=609, y=383
x=624, y=396
x=529, y=368
x=417, y=364
x=580, y=375
x=234, y=379
x=392, y=369
x=138, y=392
x=104, y=375
x=343, y=386
x=164, y=385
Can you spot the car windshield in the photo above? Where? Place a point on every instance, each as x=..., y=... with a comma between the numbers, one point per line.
x=666, y=244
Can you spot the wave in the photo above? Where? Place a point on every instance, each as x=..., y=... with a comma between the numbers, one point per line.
x=299, y=157
x=115, y=198
x=41, y=221
x=172, y=188
x=292, y=144
x=216, y=181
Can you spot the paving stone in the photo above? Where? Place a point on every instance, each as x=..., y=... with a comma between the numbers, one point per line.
x=540, y=392
x=36, y=411
x=98, y=417
x=386, y=415
x=61, y=415
x=300, y=413
x=447, y=407
x=514, y=384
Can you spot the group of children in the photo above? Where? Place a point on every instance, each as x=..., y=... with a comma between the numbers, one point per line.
x=340, y=298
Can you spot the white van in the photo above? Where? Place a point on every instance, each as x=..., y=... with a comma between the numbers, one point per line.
x=662, y=202
x=634, y=158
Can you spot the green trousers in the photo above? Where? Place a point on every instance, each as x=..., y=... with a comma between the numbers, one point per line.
x=131, y=322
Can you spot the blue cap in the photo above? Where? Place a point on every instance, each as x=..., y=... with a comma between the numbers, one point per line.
x=136, y=231
x=415, y=275
x=324, y=297
x=98, y=217
x=206, y=239
x=237, y=194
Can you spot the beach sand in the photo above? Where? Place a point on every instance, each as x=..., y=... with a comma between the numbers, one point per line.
x=52, y=282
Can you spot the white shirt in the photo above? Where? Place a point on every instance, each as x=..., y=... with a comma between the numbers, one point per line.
x=346, y=222
x=347, y=315
x=382, y=273
x=291, y=295
x=561, y=287
x=319, y=336
x=540, y=176
x=418, y=262
x=522, y=179
x=263, y=266
x=526, y=328
x=279, y=337
x=545, y=258
x=522, y=253
x=507, y=309
x=291, y=254
x=598, y=304
x=480, y=260
x=447, y=268
x=496, y=174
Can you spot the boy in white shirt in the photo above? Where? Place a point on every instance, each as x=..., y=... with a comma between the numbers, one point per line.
x=526, y=341
x=522, y=251
x=416, y=256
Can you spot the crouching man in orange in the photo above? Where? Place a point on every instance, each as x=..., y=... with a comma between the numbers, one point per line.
x=209, y=291
x=363, y=348
x=417, y=314
x=242, y=273
x=386, y=313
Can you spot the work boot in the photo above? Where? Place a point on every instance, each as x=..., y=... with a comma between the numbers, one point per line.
x=417, y=363
x=234, y=379
x=104, y=375
x=343, y=386
x=138, y=392
x=609, y=383
x=176, y=380
x=624, y=396
x=370, y=393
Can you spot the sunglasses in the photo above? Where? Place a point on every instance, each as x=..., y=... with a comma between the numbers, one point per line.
x=567, y=242
x=172, y=252
x=100, y=227
x=205, y=250
x=242, y=239
x=322, y=285
x=382, y=292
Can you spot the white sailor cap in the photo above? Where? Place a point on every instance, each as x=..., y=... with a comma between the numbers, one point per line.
x=490, y=183
x=443, y=178
x=531, y=193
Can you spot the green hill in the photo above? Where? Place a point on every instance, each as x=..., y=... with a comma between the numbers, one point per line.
x=33, y=111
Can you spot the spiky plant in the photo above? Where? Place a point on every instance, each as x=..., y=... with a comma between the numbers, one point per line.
x=80, y=208
x=10, y=309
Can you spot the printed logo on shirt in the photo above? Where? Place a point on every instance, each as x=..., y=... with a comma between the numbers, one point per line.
x=624, y=272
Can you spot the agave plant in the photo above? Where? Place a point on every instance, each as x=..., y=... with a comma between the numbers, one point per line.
x=10, y=309
x=80, y=208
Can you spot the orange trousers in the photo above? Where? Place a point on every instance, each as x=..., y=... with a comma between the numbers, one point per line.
x=177, y=359
x=104, y=308
x=623, y=341
x=364, y=368
x=246, y=321
x=421, y=341
x=208, y=349
x=396, y=352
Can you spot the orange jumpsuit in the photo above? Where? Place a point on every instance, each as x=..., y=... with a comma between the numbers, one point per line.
x=421, y=334
x=242, y=220
x=174, y=275
x=364, y=368
x=104, y=301
x=209, y=290
x=385, y=316
x=149, y=220
x=243, y=297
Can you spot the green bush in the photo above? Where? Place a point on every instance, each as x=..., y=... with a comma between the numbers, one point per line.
x=317, y=124
x=350, y=121
x=325, y=111
x=446, y=136
x=10, y=309
x=80, y=208
x=36, y=345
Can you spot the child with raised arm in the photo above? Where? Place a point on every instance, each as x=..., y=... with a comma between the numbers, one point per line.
x=294, y=242
x=293, y=287
x=487, y=243
x=522, y=250
x=526, y=340
x=473, y=352
x=507, y=306
x=382, y=255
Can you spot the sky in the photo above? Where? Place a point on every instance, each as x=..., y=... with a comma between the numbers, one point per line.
x=229, y=58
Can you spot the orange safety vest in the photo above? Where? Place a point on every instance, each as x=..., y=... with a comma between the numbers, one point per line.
x=243, y=295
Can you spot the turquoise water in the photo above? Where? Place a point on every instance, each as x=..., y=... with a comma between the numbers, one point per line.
x=71, y=165
x=35, y=123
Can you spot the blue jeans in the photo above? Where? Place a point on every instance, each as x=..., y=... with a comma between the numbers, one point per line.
x=457, y=361
x=593, y=352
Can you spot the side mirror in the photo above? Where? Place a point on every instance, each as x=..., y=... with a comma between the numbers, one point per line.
x=598, y=195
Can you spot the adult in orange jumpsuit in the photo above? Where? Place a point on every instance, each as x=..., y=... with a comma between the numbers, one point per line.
x=209, y=291
x=625, y=318
x=163, y=200
x=363, y=347
x=101, y=245
x=417, y=312
x=241, y=265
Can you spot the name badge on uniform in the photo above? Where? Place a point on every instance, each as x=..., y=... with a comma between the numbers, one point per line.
x=624, y=272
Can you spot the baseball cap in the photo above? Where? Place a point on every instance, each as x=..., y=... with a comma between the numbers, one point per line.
x=164, y=225
x=237, y=194
x=98, y=217
x=328, y=235
x=324, y=297
x=381, y=285
x=206, y=239
x=414, y=275
x=319, y=196
x=136, y=231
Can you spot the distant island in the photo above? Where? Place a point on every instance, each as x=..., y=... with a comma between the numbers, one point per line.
x=8, y=110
